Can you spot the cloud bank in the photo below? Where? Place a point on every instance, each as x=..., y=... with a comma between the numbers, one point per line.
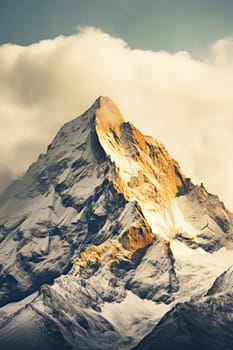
x=185, y=102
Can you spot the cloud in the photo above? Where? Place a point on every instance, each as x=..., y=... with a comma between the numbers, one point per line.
x=6, y=177
x=185, y=102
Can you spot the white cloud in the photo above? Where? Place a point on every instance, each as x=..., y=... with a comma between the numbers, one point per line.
x=187, y=103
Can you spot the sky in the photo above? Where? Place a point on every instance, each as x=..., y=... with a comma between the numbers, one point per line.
x=171, y=25
x=167, y=64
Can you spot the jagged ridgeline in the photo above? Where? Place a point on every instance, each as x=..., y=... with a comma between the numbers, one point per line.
x=106, y=244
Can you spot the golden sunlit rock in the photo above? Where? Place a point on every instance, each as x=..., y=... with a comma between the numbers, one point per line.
x=154, y=177
x=115, y=251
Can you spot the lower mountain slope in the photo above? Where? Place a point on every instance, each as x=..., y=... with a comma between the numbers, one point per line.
x=205, y=323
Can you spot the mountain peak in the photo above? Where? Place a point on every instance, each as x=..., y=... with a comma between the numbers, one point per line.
x=148, y=173
x=108, y=115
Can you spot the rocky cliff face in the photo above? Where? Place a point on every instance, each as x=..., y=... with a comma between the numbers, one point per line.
x=105, y=244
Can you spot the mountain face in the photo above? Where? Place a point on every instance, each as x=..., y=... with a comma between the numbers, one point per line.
x=106, y=244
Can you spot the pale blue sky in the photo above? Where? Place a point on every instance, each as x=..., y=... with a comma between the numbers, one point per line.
x=171, y=25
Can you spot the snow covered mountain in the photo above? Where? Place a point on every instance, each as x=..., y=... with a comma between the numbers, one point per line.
x=106, y=244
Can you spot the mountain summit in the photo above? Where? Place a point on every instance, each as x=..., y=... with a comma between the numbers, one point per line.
x=106, y=244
